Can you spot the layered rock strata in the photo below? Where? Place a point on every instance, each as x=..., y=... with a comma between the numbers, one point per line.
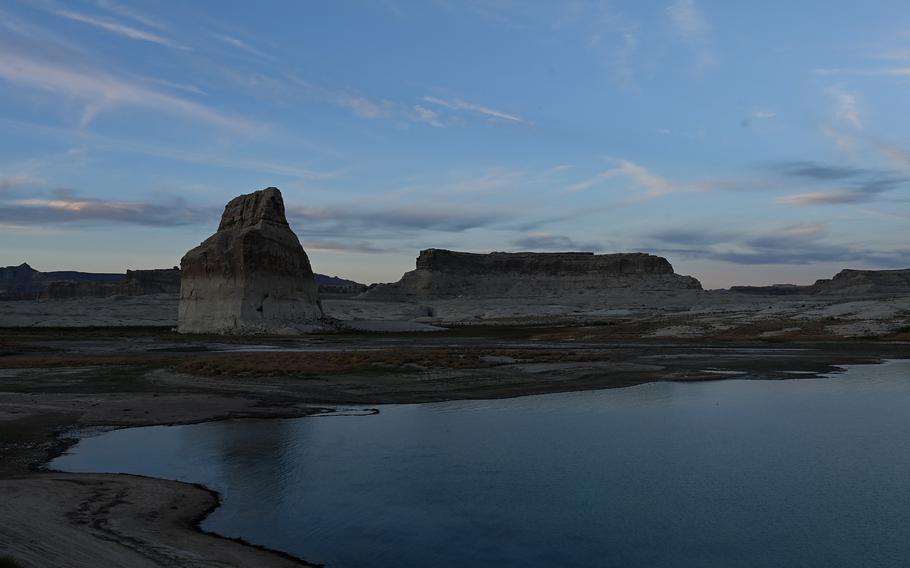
x=252, y=276
x=446, y=274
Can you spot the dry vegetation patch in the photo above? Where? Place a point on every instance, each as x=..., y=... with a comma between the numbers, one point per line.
x=387, y=360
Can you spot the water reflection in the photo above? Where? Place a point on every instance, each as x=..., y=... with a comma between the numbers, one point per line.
x=726, y=473
x=258, y=461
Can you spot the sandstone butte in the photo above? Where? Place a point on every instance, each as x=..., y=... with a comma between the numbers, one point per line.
x=446, y=274
x=252, y=276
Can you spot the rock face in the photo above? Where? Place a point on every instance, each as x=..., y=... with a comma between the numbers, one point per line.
x=18, y=282
x=846, y=282
x=865, y=282
x=444, y=273
x=251, y=276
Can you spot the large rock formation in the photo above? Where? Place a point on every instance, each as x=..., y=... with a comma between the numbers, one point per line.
x=446, y=274
x=251, y=276
x=847, y=282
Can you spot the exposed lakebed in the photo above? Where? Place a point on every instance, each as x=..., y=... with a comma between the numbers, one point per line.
x=808, y=472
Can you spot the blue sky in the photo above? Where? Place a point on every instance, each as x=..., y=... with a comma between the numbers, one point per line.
x=747, y=142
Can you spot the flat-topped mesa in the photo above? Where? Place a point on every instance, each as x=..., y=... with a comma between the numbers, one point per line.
x=552, y=263
x=443, y=273
x=252, y=276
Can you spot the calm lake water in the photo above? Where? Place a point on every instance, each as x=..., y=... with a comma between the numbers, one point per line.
x=809, y=473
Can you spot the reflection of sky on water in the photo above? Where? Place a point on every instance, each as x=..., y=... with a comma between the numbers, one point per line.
x=724, y=473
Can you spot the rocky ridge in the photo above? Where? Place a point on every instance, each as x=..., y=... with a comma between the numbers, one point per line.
x=23, y=282
x=845, y=282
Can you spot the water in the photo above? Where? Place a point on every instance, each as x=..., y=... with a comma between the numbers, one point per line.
x=735, y=473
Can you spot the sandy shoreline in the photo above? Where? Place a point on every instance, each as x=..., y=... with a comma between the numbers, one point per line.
x=52, y=518
x=125, y=520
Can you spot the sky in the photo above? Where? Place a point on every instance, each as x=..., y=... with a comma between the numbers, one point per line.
x=747, y=142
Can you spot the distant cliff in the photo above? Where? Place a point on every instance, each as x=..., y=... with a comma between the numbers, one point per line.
x=335, y=286
x=845, y=282
x=23, y=282
x=866, y=281
x=135, y=283
x=443, y=274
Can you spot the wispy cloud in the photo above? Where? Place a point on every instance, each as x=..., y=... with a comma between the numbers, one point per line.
x=846, y=107
x=344, y=246
x=119, y=28
x=861, y=192
x=129, y=13
x=793, y=245
x=102, y=91
x=688, y=20
x=364, y=107
x=647, y=183
x=63, y=206
x=899, y=156
x=431, y=117
x=856, y=185
x=819, y=171
x=243, y=46
x=178, y=86
x=846, y=128
x=459, y=104
x=38, y=35
x=845, y=142
x=612, y=38
x=551, y=242
x=10, y=182
x=617, y=41
x=835, y=197
x=371, y=108
x=757, y=115
x=495, y=181
x=351, y=220
x=692, y=28
x=231, y=163
x=870, y=72
x=223, y=158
